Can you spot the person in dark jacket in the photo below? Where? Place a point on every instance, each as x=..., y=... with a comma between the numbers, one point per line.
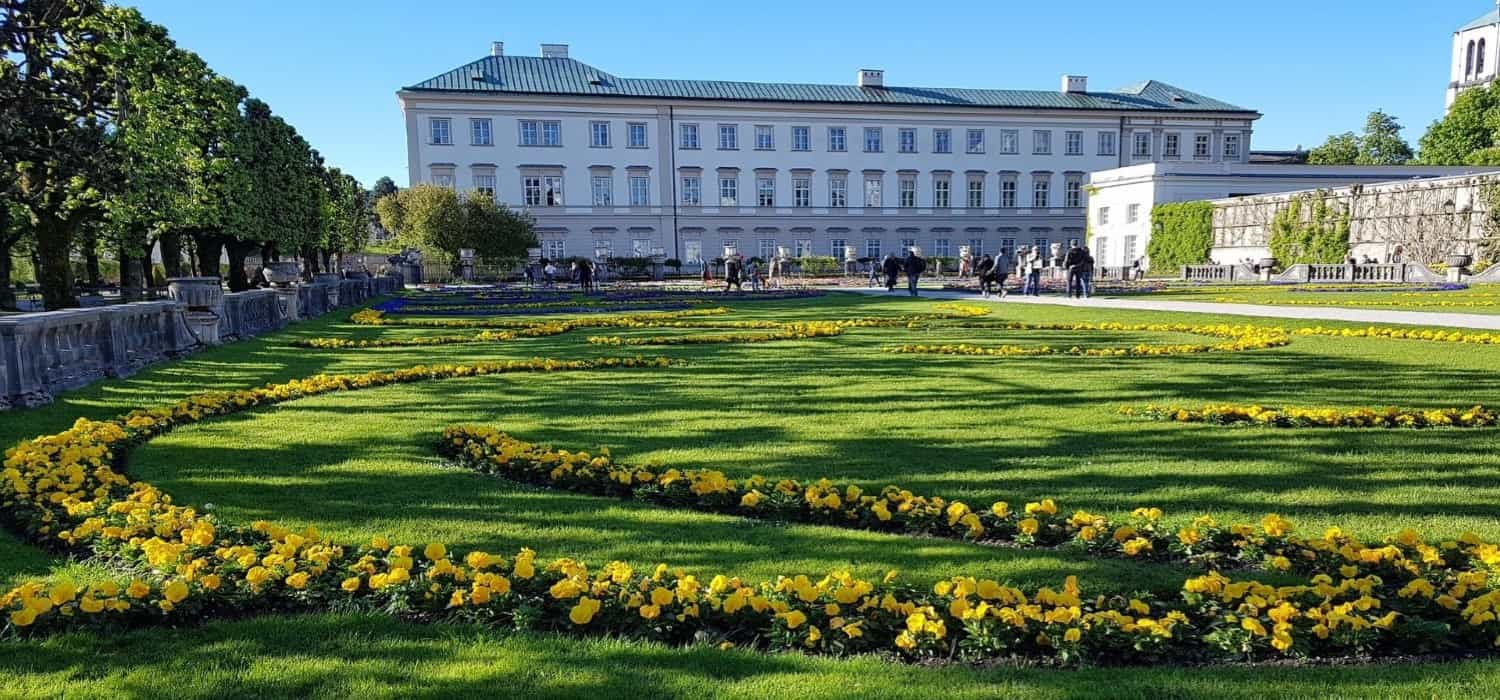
x=1001, y=271
x=984, y=269
x=586, y=276
x=1073, y=263
x=892, y=269
x=732, y=274
x=1086, y=279
x=915, y=266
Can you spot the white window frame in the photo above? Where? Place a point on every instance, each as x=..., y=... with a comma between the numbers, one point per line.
x=634, y=128
x=906, y=191
x=484, y=184
x=1232, y=153
x=687, y=137
x=1041, y=192
x=874, y=139
x=603, y=189
x=974, y=141
x=872, y=247
x=1141, y=145
x=906, y=138
x=942, y=192
x=481, y=131
x=440, y=131
x=941, y=247
x=554, y=249
x=640, y=191
x=551, y=133
x=802, y=138
x=1041, y=142
x=802, y=247
x=1073, y=192
x=692, y=190
x=874, y=186
x=1008, y=188
x=445, y=179
x=692, y=251
x=1010, y=142
x=765, y=137
x=767, y=248
x=974, y=196
x=906, y=245
x=838, y=139
x=1171, y=145
x=976, y=247
x=801, y=192
x=599, y=134
x=729, y=190
x=1073, y=143
x=1203, y=146
x=942, y=140
x=1108, y=145
x=838, y=191
x=729, y=137
x=836, y=247
x=1132, y=213
x=765, y=191
x=1103, y=216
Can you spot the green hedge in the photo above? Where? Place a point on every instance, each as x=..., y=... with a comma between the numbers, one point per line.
x=1181, y=234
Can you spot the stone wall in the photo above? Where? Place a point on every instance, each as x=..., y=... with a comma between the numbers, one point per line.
x=1425, y=219
x=42, y=354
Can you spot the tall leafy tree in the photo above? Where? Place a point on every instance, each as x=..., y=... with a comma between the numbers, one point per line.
x=274, y=198
x=346, y=213
x=440, y=223
x=1466, y=132
x=384, y=186
x=55, y=97
x=1379, y=144
x=11, y=235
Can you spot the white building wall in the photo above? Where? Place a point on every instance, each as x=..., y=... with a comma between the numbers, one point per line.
x=1145, y=186
x=676, y=227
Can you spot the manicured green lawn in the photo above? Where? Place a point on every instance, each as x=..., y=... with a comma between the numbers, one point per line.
x=362, y=463
x=1477, y=299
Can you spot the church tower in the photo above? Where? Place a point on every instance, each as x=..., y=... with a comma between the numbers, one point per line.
x=1476, y=54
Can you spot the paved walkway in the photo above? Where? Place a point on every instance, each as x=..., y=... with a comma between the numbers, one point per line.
x=1315, y=313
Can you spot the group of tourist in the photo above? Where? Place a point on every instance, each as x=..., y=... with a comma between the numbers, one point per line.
x=892, y=267
x=1028, y=263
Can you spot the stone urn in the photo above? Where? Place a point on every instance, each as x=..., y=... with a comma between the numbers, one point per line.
x=1267, y=263
x=204, y=299
x=327, y=278
x=282, y=273
x=196, y=293
x=1458, y=260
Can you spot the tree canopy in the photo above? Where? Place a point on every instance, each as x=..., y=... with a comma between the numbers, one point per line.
x=1468, y=133
x=437, y=221
x=1379, y=144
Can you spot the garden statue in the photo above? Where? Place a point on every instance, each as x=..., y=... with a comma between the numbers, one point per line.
x=965, y=262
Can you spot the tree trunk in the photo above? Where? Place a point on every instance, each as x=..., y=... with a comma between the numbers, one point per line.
x=131, y=282
x=210, y=249
x=268, y=253
x=7, y=290
x=171, y=253
x=148, y=274
x=238, y=251
x=91, y=264
x=54, y=244
x=309, y=262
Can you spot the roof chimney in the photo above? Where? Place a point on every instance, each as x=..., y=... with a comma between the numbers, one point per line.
x=554, y=50
x=497, y=48
x=1075, y=83
x=871, y=77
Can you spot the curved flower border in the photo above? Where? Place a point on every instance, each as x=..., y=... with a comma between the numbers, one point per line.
x=1298, y=417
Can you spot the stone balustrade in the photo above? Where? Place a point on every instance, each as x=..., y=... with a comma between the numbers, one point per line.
x=44, y=353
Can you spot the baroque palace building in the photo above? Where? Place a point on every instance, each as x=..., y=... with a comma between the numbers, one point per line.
x=632, y=165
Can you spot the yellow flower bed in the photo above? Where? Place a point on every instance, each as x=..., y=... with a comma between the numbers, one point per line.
x=1236, y=339
x=1390, y=303
x=1293, y=417
x=786, y=331
x=1433, y=334
x=63, y=490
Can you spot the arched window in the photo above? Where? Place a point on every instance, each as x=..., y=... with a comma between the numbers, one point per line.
x=1469, y=63
x=1479, y=60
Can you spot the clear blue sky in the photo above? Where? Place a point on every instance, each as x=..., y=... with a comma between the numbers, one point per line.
x=1312, y=67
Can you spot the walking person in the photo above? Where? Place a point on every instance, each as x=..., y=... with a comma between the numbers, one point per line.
x=1071, y=264
x=1001, y=271
x=550, y=273
x=586, y=276
x=732, y=274
x=915, y=266
x=875, y=269
x=1034, y=271
x=892, y=269
x=982, y=269
x=752, y=270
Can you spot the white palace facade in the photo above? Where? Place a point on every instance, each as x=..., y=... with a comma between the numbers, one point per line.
x=690, y=166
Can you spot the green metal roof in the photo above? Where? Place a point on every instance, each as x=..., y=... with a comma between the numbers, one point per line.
x=566, y=76
x=1485, y=20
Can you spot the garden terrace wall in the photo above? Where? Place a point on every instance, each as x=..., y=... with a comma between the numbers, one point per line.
x=45, y=353
x=1429, y=219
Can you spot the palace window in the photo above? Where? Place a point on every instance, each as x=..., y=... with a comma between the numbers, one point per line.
x=688, y=137
x=765, y=138
x=599, y=134
x=801, y=192
x=441, y=131
x=604, y=190
x=1041, y=187
x=692, y=190
x=838, y=139
x=729, y=191
x=1142, y=144
x=480, y=133
x=907, y=191
x=729, y=137
x=640, y=191
x=873, y=135
x=1041, y=142
x=801, y=138
x=838, y=191
x=942, y=140
x=1106, y=143
x=976, y=191
x=908, y=140
x=1231, y=146
x=942, y=192
x=484, y=185
x=974, y=141
x=1074, y=143
x=1202, y=146
x=1007, y=191
x=1171, y=145
x=635, y=135
x=765, y=191
x=872, y=190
